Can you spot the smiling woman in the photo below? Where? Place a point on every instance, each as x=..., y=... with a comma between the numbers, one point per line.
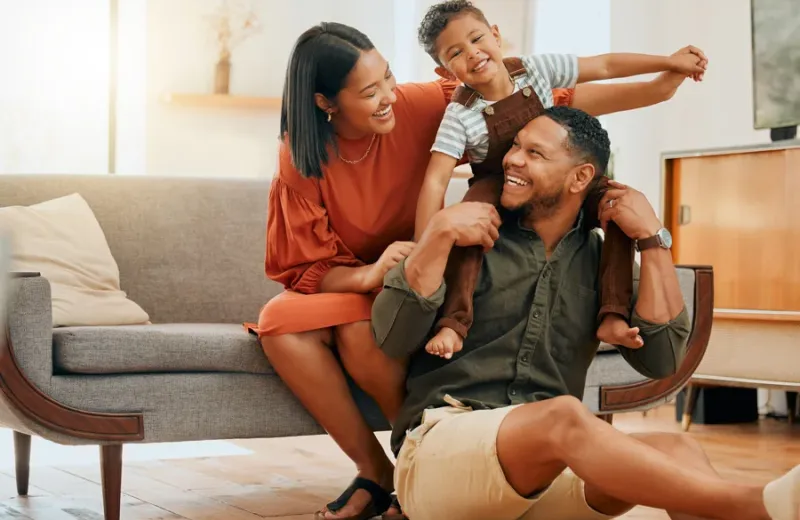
x=341, y=213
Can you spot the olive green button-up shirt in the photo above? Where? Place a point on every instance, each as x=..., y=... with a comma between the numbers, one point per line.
x=534, y=330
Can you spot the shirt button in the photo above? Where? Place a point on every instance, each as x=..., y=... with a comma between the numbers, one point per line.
x=536, y=314
x=513, y=392
x=525, y=358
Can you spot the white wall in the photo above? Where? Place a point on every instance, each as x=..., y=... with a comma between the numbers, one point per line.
x=181, y=57
x=717, y=112
x=581, y=27
x=54, y=86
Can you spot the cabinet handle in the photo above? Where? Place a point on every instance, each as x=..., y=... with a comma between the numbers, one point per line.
x=685, y=215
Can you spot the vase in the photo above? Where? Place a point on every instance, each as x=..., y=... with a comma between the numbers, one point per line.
x=222, y=77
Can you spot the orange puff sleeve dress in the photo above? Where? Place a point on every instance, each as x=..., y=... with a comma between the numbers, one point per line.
x=351, y=215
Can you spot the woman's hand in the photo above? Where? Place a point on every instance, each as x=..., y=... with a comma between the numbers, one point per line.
x=393, y=255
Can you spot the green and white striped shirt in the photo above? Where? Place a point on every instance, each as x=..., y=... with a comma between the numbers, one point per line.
x=464, y=129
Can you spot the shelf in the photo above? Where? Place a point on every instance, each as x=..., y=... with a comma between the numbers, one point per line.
x=744, y=315
x=223, y=101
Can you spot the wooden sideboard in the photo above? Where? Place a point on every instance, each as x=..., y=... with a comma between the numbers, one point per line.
x=738, y=209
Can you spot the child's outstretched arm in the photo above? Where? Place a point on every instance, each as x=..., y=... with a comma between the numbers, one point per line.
x=598, y=99
x=434, y=187
x=623, y=65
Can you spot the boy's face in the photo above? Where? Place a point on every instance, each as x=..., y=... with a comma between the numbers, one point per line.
x=470, y=50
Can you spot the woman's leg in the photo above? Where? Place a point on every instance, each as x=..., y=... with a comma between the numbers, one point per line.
x=380, y=376
x=307, y=365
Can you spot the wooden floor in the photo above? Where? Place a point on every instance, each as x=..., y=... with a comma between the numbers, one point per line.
x=287, y=479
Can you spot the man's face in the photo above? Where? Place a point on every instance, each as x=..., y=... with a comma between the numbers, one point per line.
x=537, y=168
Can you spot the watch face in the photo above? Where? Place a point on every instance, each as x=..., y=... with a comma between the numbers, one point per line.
x=665, y=237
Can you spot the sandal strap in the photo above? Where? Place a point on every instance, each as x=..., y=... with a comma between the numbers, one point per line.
x=381, y=500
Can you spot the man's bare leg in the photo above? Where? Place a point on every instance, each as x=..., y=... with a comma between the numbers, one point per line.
x=538, y=440
x=679, y=447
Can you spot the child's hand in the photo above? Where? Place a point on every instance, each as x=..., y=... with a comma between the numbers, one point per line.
x=692, y=50
x=688, y=64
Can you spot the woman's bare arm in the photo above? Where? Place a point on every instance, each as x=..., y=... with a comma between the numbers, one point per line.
x=598, y=99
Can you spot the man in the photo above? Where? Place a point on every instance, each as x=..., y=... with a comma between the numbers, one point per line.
x=498, y=431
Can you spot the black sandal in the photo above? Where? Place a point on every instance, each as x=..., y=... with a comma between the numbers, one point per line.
x=394, y=516
x=381, y=500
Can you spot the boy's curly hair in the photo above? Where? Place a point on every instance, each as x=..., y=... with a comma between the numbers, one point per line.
x=437, y=18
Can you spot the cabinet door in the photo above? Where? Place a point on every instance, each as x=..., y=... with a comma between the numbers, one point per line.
x=740, y=213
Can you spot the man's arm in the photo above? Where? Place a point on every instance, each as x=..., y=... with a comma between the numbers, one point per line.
x=661, y=316
x=659, y=312
x=413, y=291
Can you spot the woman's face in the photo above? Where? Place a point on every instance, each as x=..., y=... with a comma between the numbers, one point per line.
x=364, y=105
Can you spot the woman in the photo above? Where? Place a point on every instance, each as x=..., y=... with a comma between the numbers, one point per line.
x=353, y=153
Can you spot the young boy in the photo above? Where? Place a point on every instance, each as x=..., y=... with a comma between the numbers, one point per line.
x=498, y=98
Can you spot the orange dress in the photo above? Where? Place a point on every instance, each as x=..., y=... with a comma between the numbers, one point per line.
x=351, y=215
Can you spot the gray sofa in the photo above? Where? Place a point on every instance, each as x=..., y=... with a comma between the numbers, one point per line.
x=191, y=253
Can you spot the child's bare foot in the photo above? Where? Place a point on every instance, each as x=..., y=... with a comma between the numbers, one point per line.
x=616, y=331
x=445, y=343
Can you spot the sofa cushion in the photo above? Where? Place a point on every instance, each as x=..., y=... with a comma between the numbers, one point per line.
x=171, y=347
x=62, y=240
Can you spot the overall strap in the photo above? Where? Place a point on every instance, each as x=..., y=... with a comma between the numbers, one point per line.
x=515, y=67
x=465, y=95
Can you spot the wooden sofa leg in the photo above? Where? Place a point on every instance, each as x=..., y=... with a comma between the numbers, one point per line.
x=111, y=472
x=609, y=418
x=688, y=408
x=22, y=458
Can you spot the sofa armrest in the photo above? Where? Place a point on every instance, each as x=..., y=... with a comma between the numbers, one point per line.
x=26, y=369
x=644, y=393
x=30, y=327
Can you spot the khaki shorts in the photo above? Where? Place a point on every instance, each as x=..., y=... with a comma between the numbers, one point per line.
x=448, y=468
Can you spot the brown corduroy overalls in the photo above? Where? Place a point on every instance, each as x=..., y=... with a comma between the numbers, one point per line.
x=504, y=119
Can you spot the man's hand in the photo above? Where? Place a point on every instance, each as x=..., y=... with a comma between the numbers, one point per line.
x=463, y=224
x=470, y=223
x=630, y=210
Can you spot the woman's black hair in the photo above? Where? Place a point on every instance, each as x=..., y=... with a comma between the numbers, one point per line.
x=322, y=58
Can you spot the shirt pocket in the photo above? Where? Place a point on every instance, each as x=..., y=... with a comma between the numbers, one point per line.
x=573, y=325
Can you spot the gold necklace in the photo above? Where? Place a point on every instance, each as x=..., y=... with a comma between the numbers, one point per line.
x=363, y=156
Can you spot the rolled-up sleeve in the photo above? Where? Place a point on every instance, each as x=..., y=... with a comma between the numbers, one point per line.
x=665, y=346
x=401, y=318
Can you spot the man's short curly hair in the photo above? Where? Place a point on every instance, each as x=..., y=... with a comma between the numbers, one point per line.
x=586, y=138
x=437, y=18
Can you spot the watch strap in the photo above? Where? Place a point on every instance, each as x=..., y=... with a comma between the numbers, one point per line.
x=647, y=243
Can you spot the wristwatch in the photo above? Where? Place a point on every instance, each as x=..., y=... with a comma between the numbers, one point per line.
x=662, y=238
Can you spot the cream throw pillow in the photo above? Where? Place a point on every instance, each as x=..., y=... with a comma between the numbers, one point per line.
x=62, y=240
